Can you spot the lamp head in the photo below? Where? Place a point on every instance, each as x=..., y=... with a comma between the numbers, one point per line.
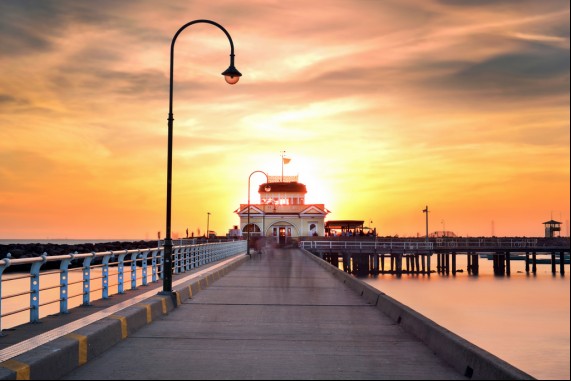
x=268, y=188
x=232, y=75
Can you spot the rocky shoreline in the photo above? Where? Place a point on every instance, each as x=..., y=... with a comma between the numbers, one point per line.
x=29, y=250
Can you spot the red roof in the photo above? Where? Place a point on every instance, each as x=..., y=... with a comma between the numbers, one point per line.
x=293, y=187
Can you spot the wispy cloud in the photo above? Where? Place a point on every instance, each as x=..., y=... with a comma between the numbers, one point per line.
x=389, y=104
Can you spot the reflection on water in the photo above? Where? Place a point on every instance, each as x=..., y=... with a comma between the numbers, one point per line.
x=523, y=319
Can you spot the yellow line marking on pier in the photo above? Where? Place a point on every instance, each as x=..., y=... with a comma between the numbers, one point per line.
x=149, y=312
x=123, y=321
x=22, y=370
x=178, y=300
x=163, y=304
x=82, y=347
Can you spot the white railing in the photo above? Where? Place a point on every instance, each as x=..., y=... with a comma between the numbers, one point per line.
x=111, y=269
x=366, y=245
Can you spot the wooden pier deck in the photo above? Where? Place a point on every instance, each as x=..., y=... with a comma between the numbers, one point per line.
x=277, y=316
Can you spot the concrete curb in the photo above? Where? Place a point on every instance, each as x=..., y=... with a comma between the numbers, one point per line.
x=467, y=358
x=57, y=358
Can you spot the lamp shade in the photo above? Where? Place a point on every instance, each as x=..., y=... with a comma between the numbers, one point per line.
x=232, y=75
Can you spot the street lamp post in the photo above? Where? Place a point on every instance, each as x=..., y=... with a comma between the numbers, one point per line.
x=425, y=210
x=207, y=226
x=231, y=75
x=248, y=225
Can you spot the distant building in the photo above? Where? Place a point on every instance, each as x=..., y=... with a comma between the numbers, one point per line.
x=282, y=212
x=552, y=229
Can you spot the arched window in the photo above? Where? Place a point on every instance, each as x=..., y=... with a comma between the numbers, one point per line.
x=252, y=228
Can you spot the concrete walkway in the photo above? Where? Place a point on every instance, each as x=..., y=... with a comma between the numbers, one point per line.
x=277, y=316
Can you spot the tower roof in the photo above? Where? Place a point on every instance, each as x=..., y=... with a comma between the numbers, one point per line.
x=552, y=222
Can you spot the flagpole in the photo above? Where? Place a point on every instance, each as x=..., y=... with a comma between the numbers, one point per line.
x=283, y=153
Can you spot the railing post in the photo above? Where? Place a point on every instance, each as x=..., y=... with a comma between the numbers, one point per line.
x=2, y=268
x=176, y=259
x=105, y=275
x=154, y=271
x=187, y=257
x=63, y=284
x=144, y=256
x=121, y=273
x=134, y=269
x=87, y=279
x=35, y=289
x=162, y=262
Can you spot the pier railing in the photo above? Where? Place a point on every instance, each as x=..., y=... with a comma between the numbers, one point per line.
x=437, y=244
x=104, y=271
x=366, y=245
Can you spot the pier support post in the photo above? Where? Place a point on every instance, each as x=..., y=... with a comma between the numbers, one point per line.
x=376, y=263
x=428, y=258
x=476, y=264
x=453, y=263
x=423, y=261
x=553, y=264
x=527, y=262
x=508, y=264
x=534, y=263
x=393, y=262
x=562, y=263
x=399, y=263
x=382, y=263
x=417, y=265
x=438, y=263
x=447, y=265
x=469, y=261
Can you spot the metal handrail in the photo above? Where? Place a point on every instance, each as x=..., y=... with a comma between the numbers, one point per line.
x=433, y=244
x=144, y=265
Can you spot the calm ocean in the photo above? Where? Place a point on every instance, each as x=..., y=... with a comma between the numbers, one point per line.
x=523, y=319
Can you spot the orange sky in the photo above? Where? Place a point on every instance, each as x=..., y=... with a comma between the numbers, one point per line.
x=383, y=106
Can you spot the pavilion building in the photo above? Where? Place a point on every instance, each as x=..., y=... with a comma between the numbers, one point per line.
x=282, y=212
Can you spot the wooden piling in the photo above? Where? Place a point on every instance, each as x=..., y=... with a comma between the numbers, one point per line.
x=383, y=263
x=476, y=264
x=534, y=263
x=393, y=262
x=428, y=258
x=562, y=263
x=508, y=263
x=453, y=263
x=438, y=265
x=553, y=264
x=527, y=262
x=447, y=265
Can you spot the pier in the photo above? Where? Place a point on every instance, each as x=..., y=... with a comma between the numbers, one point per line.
x=414, y=256
x=283, y=313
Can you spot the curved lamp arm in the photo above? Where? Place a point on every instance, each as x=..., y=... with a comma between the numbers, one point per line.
x=248, y=225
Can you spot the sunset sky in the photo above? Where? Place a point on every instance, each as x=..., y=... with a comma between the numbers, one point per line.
x=383, y=106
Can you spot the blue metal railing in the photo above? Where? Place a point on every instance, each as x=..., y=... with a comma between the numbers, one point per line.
x=97, y=266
